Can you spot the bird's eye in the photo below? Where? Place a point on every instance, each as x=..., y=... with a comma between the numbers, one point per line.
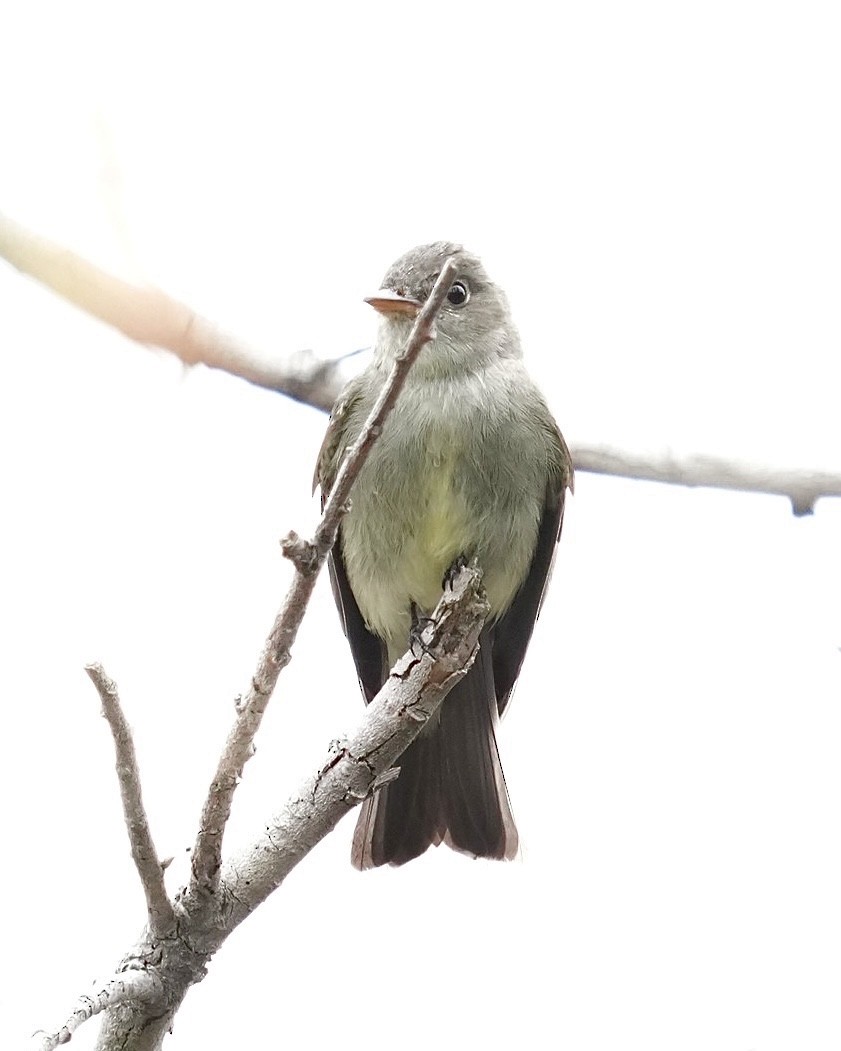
x=459, y=294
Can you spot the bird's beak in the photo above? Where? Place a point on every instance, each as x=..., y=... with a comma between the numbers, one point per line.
x=388, y=302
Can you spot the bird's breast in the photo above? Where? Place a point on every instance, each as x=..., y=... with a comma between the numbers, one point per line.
x=442, y=515
x=442, y=481
x=436, y=530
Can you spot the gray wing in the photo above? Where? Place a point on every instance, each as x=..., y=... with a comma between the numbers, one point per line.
x=512, y=632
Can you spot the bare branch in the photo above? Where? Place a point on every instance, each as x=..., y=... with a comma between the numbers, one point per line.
x=181, y=938
x=136, y=987
x=161, y=915
x=352, y=768
x=801, y=486
x=413, y=692
x=148, y=315
x=239, y=746
x=422, y=332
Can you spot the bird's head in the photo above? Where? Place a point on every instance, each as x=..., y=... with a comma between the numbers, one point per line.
x=474, y=325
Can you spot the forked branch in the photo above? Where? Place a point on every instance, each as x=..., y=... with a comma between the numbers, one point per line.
x=207, y=854
x=181, y=938
x=156, y=973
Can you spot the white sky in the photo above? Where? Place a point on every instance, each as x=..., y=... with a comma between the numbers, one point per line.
x=656, y=186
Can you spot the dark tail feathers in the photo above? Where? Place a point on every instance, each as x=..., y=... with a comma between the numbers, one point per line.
x=451, y=788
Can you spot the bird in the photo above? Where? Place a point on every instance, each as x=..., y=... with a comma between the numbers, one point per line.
x=470, y=464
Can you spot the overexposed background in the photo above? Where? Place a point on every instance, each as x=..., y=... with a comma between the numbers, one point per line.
x=656, y=186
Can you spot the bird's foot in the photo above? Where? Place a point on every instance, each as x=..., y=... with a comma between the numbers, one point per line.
x=419, y=624
x=450, y=576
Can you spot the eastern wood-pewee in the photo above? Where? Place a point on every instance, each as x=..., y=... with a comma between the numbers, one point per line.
x=470, y=463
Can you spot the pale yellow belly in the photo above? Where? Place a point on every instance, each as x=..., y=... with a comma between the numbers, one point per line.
x=438, y=528
x=442, y=534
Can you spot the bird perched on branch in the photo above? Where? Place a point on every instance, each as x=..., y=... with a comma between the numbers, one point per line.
x=469, y=464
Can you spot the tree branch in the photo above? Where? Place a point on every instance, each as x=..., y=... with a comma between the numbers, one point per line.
x=158, y=905
x=354, y=767
x=170, y=963
x=137, y=987
x=308, y=561
x=150, y=316
x=180, y=939
x=803, y=487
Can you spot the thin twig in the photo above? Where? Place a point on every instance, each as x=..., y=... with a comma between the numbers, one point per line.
x=239, y=746
x=422, y=332
x=803, y=487
x=161, y=914
x=136, y=987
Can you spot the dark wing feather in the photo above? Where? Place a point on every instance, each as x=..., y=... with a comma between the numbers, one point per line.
x=512, y=632
x=369, y=652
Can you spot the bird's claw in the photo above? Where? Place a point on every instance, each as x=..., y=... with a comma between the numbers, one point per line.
x=419, y=625
x=457, y=566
